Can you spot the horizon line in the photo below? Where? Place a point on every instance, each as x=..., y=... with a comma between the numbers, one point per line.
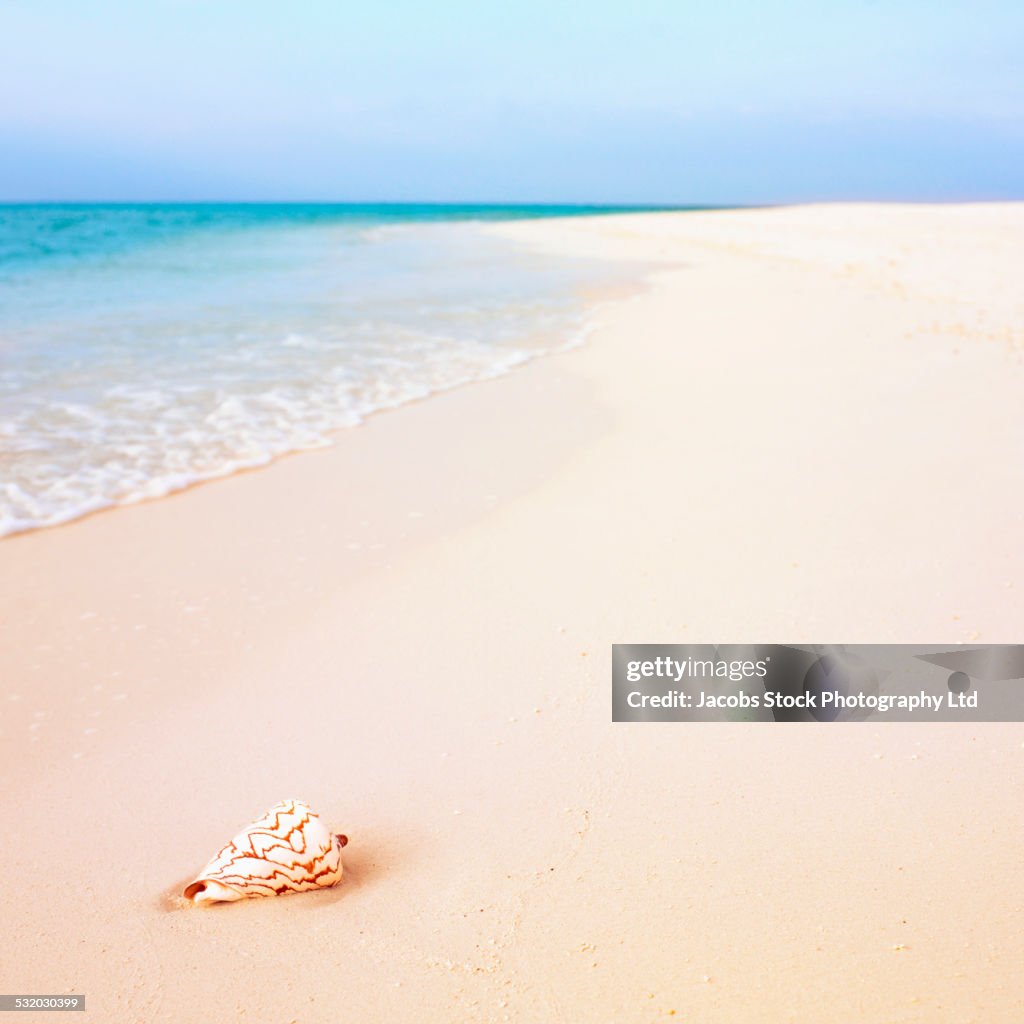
x=514, y=204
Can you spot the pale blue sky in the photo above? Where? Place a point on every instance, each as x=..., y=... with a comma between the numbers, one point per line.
x=560, y=100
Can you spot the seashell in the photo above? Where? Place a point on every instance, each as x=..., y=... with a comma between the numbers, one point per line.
x=289, y=849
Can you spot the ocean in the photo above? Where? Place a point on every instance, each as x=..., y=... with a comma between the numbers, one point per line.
x=144, y=348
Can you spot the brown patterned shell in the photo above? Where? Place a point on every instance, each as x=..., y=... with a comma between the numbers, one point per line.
x=287, y=850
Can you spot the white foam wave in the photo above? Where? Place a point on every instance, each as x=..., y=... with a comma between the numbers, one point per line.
x=142, y=442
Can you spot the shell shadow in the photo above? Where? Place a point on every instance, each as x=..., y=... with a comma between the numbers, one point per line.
x=369, y=857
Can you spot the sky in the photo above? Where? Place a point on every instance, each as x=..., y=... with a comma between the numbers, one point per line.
x=587, y=101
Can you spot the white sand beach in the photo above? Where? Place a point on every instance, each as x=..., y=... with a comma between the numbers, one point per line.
x=805, y=425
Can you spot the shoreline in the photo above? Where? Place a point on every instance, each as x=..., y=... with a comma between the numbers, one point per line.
x=584, y=299
x=783, y=438
x=598, y=298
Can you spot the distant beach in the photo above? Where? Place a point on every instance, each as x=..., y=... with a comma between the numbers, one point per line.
x=789, y=425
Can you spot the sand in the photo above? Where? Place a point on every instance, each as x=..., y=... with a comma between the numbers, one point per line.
x=805, y=426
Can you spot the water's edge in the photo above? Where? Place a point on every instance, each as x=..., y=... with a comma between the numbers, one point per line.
x=586, y=313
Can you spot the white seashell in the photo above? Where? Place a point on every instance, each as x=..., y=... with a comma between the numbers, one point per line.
x=287, y=850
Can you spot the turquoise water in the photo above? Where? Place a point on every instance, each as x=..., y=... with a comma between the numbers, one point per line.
x=144, y=348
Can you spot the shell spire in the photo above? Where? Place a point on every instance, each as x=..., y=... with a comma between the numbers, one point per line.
x=289, y=849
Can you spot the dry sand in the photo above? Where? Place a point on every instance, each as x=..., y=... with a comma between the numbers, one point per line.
x=807, y=427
